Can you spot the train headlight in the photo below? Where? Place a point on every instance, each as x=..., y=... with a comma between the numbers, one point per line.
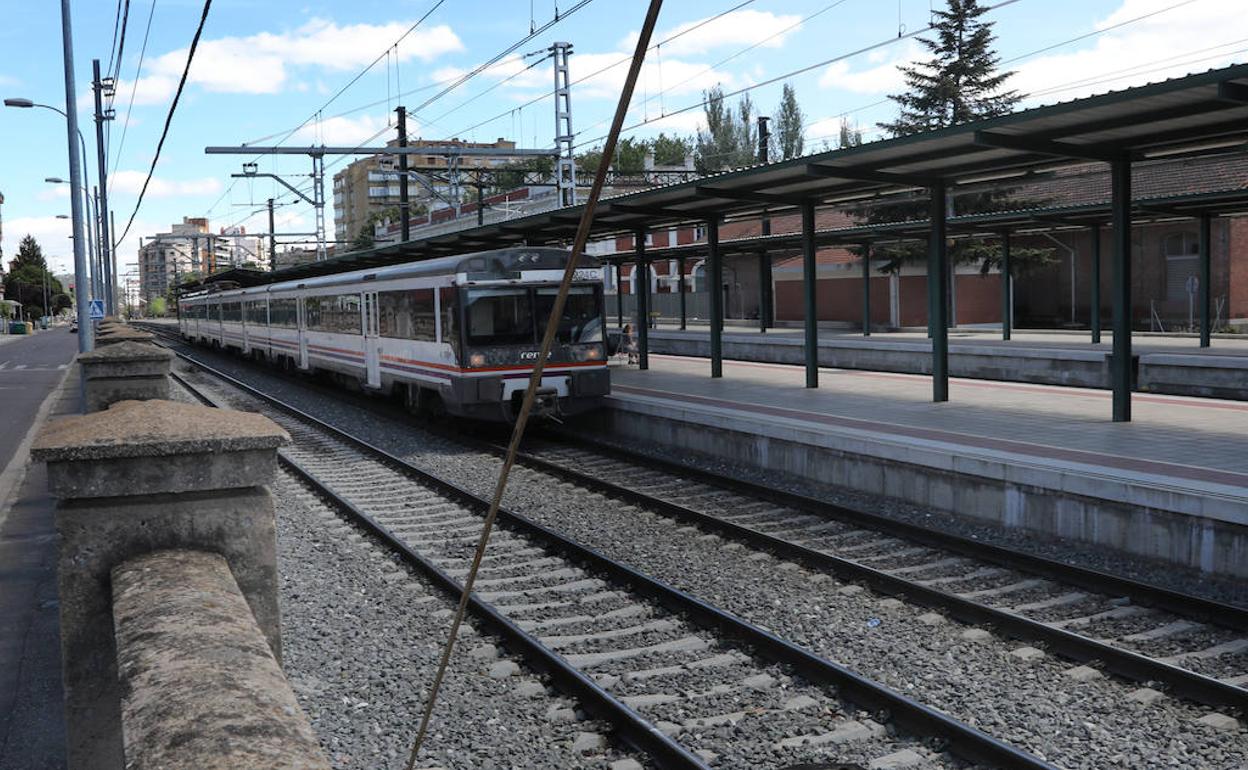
x=476, y=359
x=594, y=353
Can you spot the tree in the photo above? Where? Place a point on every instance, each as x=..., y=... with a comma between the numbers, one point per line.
x=157, y=307
x=789, y=136
x=516, y=174
x=630, y=157
x=960, y=83
x=671, y=150
x=29, y=278
x=850, y=135
x=730, y=139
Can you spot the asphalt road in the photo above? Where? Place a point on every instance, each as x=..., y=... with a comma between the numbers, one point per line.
x=30, y=367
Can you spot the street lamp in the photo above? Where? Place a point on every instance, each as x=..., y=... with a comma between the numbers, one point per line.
x=90, y=240
x=97, y=278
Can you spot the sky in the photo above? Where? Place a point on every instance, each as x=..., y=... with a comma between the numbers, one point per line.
x=295, y=72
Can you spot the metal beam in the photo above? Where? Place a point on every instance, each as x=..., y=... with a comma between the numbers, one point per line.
x=1206, y=275
x=654, y=211
x=866, y=290
x=810, y=274
x=749, y=196
x=680, y=285
x=438, y=150
x=766, y=298
x=1047, y=147
x=643, y=299
x=619, y=298
x=1120, y=362
x=1095, y=304
x=1007, y=288
x=715, y=271
x=938, y=291
x=1233, y=92
x=857, y=174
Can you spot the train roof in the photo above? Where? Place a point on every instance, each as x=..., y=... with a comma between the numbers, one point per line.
x=498, y=264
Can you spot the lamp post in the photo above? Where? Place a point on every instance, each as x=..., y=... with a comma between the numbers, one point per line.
x=95, y=266
x=77, y=172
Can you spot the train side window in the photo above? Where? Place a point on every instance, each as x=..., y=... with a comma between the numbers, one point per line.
x=312, y=312
x=231, y=312
x=282, y=312
x=339, y=313
x=449, y=299
x=406, y=315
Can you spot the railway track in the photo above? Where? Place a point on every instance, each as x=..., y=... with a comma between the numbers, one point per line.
x=685, y=683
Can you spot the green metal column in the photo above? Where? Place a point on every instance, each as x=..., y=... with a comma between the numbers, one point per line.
x=810, y=274
x=1007, y=289
x=765, y=298
x=680, y=285
x=619, y=297
x=938, y=292
x=1206, y=277
x=715, y=270
x=1095, y=311
x=642, y=266
x=1120, y=366
x=866, y=290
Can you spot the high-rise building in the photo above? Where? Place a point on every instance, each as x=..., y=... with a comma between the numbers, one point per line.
x=370, y=186
x=188, y=248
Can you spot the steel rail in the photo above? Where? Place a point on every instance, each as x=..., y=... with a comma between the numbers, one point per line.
x=957, y=737
x=1131, y=665
x=632, y=728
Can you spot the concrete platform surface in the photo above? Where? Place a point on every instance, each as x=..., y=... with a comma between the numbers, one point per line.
x=1020, y=454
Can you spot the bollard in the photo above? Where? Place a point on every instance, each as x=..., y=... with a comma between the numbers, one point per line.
x=125, y=371
x=138, y=477
x=178, y=615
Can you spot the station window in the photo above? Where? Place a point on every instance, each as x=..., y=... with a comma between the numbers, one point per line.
x=284, y=313
x=339, y=313
x=407, y=315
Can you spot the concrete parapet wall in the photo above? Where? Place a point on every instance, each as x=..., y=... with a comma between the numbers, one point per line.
x=1197, y=525
x=178, y=616
x=125, y=371
x=1195, y=375
x=139, y=477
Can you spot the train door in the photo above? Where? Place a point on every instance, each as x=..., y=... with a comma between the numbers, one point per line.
x=301, y=315
x=372, y=340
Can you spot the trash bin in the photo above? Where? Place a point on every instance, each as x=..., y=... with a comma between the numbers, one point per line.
x=17, y=327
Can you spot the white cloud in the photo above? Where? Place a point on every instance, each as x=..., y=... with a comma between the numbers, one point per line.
x=347, y=131
x=130, y=182
x=738, y=28
x=881, y=78
x=53, y=193
x=258, y=64
x=1170, y=44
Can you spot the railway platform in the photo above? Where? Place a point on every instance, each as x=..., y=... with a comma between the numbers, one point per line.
x=1173, y=364
x=1171, y=485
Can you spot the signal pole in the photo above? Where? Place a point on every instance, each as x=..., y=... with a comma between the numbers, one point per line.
x=107, y=264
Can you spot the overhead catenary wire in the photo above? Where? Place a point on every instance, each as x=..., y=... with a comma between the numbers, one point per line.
x=134, y=87
x=173, y=106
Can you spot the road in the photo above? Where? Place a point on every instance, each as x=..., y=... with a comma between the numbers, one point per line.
x=30, y=367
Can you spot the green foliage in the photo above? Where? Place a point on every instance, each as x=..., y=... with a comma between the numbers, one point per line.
x=850, y=135
x=29, y=276
x=364, y=238
x=28, y=253
x=671, y=150
x=790, y=127
x=518, y=173
x=730, y=139
x=630, y=155
x=61, y=302
x=157, y=307
x=960, y=83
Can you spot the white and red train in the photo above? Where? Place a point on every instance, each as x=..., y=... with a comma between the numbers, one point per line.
x=457, y=334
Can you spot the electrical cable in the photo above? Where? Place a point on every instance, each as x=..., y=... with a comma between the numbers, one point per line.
x=173, y=106
x=134, y=87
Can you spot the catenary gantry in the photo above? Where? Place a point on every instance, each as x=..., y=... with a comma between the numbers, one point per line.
x=1199, y=114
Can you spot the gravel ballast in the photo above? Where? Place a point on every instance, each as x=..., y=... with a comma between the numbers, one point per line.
x=1027, y=699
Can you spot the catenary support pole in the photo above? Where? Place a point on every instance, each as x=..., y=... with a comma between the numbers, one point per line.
x=272, y=239
x=866, y=290
x=82, y=289
x=642, y=266
x=102, y=250
x=535, y=379
x=405, y=212
x=1095, y=310
x=715, y=271
x=680, y=286
x=765, y=299
x=1007, y=289
x=1206, y=276
x=810, y=275
x=480, y=203
x=1121, y=364
x=938, y=266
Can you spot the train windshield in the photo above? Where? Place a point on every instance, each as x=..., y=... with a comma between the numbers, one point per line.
x=518, y=316
x=500, y=317
x=581, y=322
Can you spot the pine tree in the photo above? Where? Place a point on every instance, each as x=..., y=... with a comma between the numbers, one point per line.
x=29, y=253
x=790, y=131
x=28, y=278
x=960, y=83
x=850, y=135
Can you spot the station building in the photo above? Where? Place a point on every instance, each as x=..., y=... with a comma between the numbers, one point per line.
x=1054, y=295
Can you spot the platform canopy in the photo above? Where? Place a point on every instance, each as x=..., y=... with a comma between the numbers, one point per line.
x=1193, y=115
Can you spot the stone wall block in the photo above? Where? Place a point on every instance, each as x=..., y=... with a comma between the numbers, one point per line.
x=125, y=371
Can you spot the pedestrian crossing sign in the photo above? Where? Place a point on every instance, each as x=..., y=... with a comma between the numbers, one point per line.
x=97, y=309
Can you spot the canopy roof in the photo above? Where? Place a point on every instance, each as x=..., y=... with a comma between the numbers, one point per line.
x=1193, y=115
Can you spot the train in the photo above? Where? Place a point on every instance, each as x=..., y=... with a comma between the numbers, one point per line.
x=456, y=335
